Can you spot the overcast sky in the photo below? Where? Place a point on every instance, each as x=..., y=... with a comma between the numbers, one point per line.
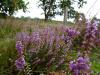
x=34, y=11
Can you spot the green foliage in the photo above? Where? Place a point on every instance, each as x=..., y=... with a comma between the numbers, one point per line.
x=3, y=15
x=81, y=3
x=95, y=55
x=10, y=6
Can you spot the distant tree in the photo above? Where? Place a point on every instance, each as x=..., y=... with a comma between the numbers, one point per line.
x=67, y=8
x=10, y=6
x=49, y=8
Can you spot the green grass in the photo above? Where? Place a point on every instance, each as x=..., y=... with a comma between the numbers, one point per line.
x=95, y=58
x=8, y=31
x=96, y=66
x=7, y=48
x=7, y=55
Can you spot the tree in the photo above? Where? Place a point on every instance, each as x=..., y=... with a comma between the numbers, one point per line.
x=49, y=8
x=68, y=9
x=10, y=6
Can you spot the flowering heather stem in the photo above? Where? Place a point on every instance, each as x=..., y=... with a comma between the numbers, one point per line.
x=19, y=48
x=90, y=36
x=20, y=62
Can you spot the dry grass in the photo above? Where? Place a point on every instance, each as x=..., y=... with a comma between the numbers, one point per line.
x=25, y=24
x=30, y=24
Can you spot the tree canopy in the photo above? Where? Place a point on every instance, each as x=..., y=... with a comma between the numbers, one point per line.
x=10, y=6
x=57, y=7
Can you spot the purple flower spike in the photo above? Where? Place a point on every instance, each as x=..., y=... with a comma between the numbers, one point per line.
x=35, y=38
x=80, y=60
x=71, y=32
x=72, y=65
x=19, y=47
x=20, y=63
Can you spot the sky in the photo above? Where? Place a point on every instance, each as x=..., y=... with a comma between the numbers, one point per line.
x=90, y=9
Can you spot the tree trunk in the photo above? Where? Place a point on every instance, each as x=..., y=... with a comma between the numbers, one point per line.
x=45, y=13
x=65, y=15
x=46, y=17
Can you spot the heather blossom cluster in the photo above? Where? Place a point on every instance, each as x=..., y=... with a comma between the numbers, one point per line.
x=71, y=33
x=50, y=46
x=80, y=66
x=20, y=62
x=90, y=36
x=46, y=46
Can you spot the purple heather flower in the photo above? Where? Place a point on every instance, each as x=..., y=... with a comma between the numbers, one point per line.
x=80, y=60
x=81, y=64
x=35, y=38
x=20, y=63
x=90, y=35
x=72, y=65
x=92, y=28
x=67, y=39
x=88, y=22
x=62, y=37
x=95, y=25
x=19, y=47
x=72, y=32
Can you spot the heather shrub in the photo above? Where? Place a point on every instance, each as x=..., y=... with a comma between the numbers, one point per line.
x=46, y=49
x=56, y=49
x=85, y=44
